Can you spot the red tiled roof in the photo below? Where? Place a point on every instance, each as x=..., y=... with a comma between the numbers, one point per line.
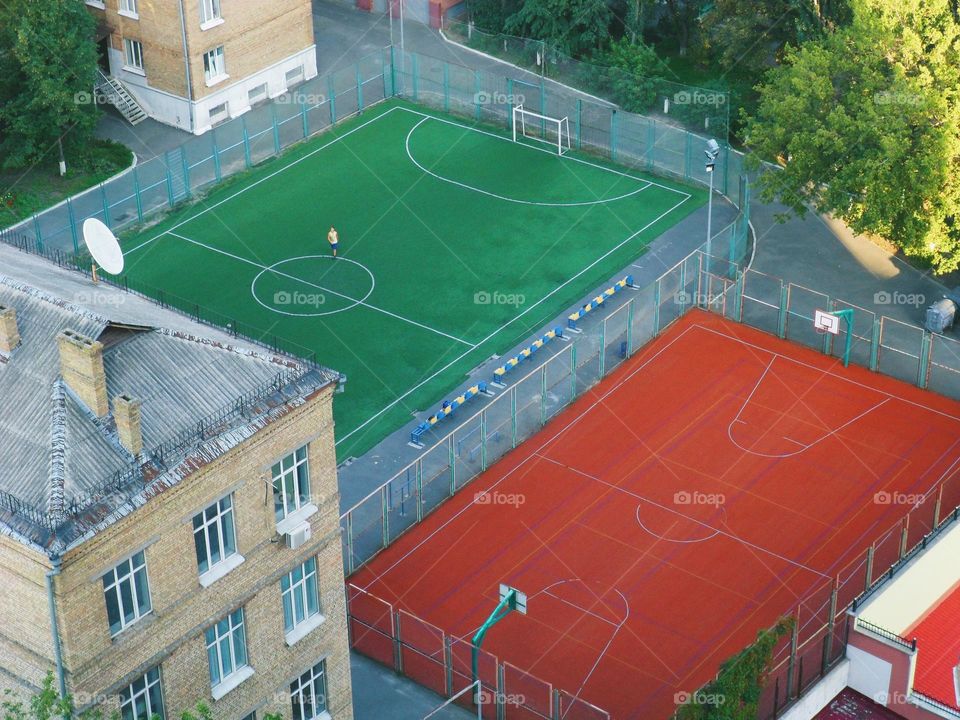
x=851, y=705
x=938, y=649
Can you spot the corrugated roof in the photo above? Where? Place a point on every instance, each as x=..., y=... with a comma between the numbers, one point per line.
x=938, y=650
x=63, y=472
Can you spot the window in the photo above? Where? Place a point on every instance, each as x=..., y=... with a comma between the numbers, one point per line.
x=308, y=693
x=214, y=68
x=257, y=94
x=294, y=76
x=291, y=483
x=219, y=113
x=133, y=54
x=209, y=11
x=226, y=648
x=143, y=698
x=213, y=534
x=301, y=599
x=127, y=593
x=128, y=7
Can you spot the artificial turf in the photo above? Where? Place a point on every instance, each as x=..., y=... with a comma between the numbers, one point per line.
x=458, y=242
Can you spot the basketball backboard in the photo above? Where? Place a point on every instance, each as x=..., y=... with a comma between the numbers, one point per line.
x=826, y=322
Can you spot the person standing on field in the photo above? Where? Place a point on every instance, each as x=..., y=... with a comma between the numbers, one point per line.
x=333, y=239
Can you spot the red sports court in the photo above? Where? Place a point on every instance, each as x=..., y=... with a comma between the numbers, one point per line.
x=719, y=479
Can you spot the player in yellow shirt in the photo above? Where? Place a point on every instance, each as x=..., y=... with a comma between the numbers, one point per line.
x=333, y=239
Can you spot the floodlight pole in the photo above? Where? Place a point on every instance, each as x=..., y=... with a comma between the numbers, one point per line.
x=506, y=605
x=712, y=151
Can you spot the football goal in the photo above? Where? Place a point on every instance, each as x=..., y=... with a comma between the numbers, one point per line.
x=543, y=128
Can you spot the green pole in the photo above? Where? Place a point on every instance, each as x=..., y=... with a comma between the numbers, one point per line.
x=579, y=121
x=136, y=192
x=331, y=94
x=303, y=116
x=246, y=142
x=217, y=169
x=415, y=68
x=73, y=226
x=166, y=167
x=446, y=87
x=276, y=129
x=922, y=374
x=782, y=318
x=186, y=171
x=106, y=205
x=359, y=89
x=613, y=135
x=505, y=606
x=476, y=92
x=875, y=345
x=510, y=101
x=393, y=72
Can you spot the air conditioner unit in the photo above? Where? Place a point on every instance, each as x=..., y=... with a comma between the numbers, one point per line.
x=298, y=536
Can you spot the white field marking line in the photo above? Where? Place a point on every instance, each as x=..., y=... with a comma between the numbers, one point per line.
x=729, y=535
x=577, y=607
x=321, y=287
x=546, y=442
x=803, y=447
x=263, y=179
x=504, y=197
x=538, y=149
x=679, y=542
x=826, y=372
x=511, y=321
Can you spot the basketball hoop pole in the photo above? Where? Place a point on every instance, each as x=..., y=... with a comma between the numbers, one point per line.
x=506, y=605
x=847, y=316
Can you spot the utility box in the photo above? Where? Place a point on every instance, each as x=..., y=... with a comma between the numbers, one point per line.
x=940, y=315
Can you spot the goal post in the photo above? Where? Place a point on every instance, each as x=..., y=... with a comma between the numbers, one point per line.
x=542, y=128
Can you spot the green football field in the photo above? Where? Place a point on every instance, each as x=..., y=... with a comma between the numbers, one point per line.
x=455, y=244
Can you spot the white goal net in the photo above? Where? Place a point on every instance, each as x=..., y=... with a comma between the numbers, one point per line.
x=542, y=128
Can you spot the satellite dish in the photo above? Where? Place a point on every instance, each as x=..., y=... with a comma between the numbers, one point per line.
x=103, y=247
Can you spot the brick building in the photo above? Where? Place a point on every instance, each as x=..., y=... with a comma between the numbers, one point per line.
x=169, y=526
x=194, y=63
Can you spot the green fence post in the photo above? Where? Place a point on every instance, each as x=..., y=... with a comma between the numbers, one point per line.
x=186, y=171
x=351, y=566
x=276, y=129
x=875, y=345
x=303, y=116
x=166, y=168
x=603, y=347
x=543, y=395
x=452, y=459
x=726, y=164
x=784, y=303
x=476, y=93
x=136, y=192
x=579, y=120
x=246, y=142
x=573, y=372
x=687, y=149
x=73, y=226
x=385, y=516
x=217, y=169
x=513, y=416
x=483, y=440
x=359, y=89
x=106, y=206
x=613, y=134
x=651, y=141
x=419, y=476
x=510, y=102
x=393, y=72
x=656, y=308
x=332, y=96
x=738, y=300
x=923, y=374
x=415, y=69
x=446, y=87
x=630, y=311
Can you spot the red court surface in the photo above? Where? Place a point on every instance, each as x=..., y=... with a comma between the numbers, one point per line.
x=704, y=489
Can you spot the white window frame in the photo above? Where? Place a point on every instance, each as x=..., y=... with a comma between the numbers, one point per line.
x=258, y=94
x=215, y=65
x=128, y=8
x=133, y=51
x=228, y=642
x=296, y=595
x=128, y=706
x=294, y=468
x=221, y=522
x=211, y=14
x=307, y=681
x=113, y=583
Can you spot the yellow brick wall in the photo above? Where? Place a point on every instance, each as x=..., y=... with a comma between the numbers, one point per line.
x=172, y=635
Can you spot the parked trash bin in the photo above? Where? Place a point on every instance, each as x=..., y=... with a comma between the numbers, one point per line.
x=940, y=315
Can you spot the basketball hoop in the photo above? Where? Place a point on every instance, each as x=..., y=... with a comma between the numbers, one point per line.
x=825, y=322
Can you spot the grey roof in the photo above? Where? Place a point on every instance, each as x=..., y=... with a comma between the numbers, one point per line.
x=63, y=472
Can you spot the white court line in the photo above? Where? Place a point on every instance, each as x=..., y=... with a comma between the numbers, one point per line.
x=511, y=321
x=539, y=149
x=577, y=607
x=504, y=197
x=263, y=179
x=321, y=287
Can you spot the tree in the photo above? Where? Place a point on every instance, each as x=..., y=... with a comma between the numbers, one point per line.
x=574, y=27
x=48, y=61
x=866, y=123
x=735, y=694
x=632, y=74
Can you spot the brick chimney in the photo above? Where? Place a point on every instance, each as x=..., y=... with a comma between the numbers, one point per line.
x=126, y=412
x=81, y=365
x=9, y=333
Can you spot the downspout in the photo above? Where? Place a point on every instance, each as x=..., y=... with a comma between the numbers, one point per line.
x=186, y=63
x=54, y=629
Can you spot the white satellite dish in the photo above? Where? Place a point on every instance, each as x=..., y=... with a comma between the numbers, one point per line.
x=103, y=247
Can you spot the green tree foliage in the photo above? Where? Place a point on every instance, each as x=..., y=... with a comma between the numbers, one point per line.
x=631, y=73
x=735, y=693
x=866, y=122
x=572, y=26
x=47, y=60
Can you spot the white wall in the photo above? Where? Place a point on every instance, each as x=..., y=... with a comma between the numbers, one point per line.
x=869, y=675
